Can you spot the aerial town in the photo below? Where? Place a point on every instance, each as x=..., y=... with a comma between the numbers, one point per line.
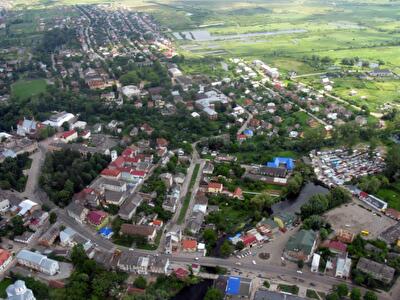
x=131, y=169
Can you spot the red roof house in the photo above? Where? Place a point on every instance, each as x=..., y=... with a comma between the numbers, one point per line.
x=181, y=273
x=111, y=173
x=215, y=187
x=337, y=247
x=161, y=143
x=5, y=258
x=97, y=217
x=189, y=245
x=249, y=240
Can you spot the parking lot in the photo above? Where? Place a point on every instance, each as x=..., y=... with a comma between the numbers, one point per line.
x=354, y=218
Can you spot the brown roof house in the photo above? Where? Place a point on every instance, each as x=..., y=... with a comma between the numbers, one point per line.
x=146, y=231
x=377, y=271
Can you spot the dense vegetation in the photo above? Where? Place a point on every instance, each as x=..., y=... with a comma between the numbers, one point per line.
x=90, y=278
x=320, y=203
x=67, y=172
x=11, y=172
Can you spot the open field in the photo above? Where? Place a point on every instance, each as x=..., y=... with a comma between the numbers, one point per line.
x=357, y=219
x=391, y=194
x=28, y=88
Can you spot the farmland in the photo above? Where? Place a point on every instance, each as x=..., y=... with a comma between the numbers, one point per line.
x=281, y=33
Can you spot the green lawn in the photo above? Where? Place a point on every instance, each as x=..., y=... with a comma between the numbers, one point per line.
x=391, y=196
x=186, y=201
x=3, y=285
x=312, y=294
x=27, y=88
x=292, y=289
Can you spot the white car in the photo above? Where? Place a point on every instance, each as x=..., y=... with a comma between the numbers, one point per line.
x=238, y=263
x=254, y=262
x=196, y=258
x=300, y=272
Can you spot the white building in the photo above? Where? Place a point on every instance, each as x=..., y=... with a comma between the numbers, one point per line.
x=59, y=119
x=315, y=262
x=19, y=291
x=130, y=91
x=343, y=266
x=38, y=262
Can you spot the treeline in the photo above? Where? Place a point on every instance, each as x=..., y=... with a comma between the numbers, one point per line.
x=55, y=38
x=11, y=172
x=90, y=278
x=320, y=203
x=155, y=75
x=67, y=172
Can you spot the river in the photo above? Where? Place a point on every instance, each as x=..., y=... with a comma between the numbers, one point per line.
x=293, y=205
x=194, y=292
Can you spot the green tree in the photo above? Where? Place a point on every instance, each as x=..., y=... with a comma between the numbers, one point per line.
x=239, y=246
x=393, y=162
x=355, y=294
x=214, y=294
x=342, y=290
x=210, y=236
x=140, y=282
x=18, y=225
x=332, y=296
x=262, y=201
x=369, y=295
x=53, y=217
x=226, y=249
x=300, y=264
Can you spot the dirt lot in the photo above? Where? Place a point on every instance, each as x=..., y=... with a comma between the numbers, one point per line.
x=355, y=219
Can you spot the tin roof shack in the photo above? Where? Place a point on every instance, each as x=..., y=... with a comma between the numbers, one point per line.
x=377, y=271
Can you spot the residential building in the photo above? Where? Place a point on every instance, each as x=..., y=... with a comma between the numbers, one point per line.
x=38, y=262
x=149, y=232
x=5, y=259
x=19, y=291
x=97, y=218
x=215, y=187
x=343, y=267
x=128, y=208
x=159, y=265
x=77, y=211
x=129, y=262
x=301, y=246
x=189, y=245
x=377, y=271
x=315, y=262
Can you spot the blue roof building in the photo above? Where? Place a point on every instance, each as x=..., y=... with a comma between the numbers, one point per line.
x=233, y=286
x=248, y=132
x=278, y=162
x=106, y=232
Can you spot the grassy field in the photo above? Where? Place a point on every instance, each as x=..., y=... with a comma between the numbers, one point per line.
x=186, y=201
x=27, y=88
x=391, y=195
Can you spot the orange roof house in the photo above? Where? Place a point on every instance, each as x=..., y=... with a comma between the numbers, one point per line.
x=189, y=245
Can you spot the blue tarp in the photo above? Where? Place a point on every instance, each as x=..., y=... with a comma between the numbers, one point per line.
x=105, y=231
x=233, y=286
x=287, y=161
x=248, y=132
x=237, y=235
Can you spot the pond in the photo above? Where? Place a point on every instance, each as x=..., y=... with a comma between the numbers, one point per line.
x=195, y=291
x=293, y=205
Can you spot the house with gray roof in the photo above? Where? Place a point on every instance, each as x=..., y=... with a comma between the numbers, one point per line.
x=38, y=262
x=130, y=262
x=301, y=246
x=128, y=208
x=377, y=271
x=270, y=295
